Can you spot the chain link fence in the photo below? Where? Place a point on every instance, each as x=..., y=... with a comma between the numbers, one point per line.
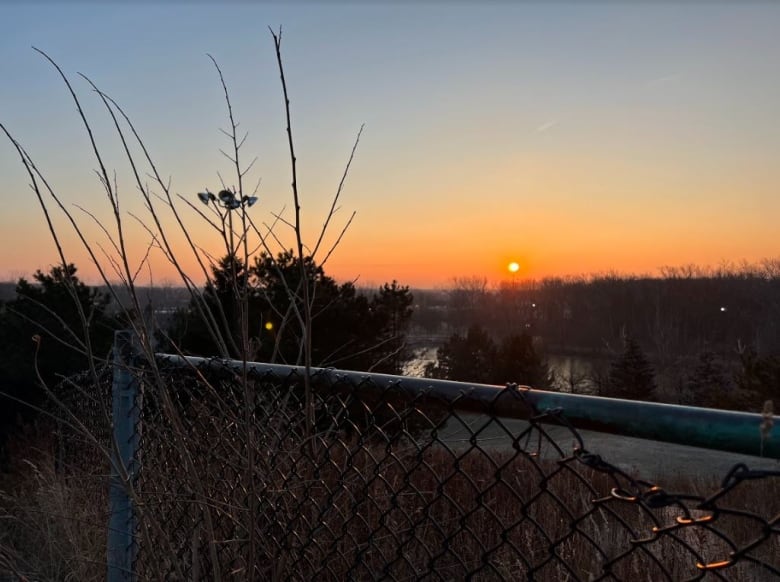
x=217, y=475
x=393, y=482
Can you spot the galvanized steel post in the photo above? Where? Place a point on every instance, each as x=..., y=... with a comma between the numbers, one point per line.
x=125, y=414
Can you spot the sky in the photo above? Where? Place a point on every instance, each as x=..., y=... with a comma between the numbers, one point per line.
x=570, y=138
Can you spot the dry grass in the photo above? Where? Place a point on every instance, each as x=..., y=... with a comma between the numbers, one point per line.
x=365, y=503
x=52, y=524
x=353, y=507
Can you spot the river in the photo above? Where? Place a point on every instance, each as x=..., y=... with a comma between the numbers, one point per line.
x=568, y=371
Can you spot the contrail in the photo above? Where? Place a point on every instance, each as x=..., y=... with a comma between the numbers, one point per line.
x=545, y=126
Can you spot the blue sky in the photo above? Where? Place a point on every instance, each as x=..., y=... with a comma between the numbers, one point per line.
x=571, y=138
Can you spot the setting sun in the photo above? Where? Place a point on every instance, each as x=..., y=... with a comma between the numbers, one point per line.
x=513, y=267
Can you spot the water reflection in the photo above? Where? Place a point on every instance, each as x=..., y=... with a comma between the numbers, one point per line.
x=571, y=373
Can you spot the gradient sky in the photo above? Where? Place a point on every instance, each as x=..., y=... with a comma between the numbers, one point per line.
x=570, y=138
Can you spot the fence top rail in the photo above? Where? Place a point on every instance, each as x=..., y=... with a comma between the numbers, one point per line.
x=723, y=430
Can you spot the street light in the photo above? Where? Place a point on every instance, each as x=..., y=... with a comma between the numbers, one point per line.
x=226, y=199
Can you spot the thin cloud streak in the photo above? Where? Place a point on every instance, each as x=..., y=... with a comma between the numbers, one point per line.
x=547, y=126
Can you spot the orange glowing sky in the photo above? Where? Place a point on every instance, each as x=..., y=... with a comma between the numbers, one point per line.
x=571, y=139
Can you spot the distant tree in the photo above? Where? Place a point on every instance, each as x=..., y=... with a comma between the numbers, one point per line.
x=708, y=383
x=41, y=330
x=631, y=376
x=469, y=358
x=349, y=330
x=468, y=300
x=758, y=376
x=518, y=361
x=391, y=310
x=571, y=379
x=345, y=331
x=188, y=330
x=477, y=358
x=430, y=311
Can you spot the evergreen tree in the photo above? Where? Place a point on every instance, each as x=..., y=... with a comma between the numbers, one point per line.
x=189, y=332
x=631, y=376
x=349, y=330
x=708, y=384
x=469, y=358
x=41, y=332
x=391, y=309
x=475, y=357
x=518, y=361
x=758, y=376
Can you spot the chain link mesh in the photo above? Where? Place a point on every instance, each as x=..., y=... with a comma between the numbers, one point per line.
x=80, y=407
x=388, y=484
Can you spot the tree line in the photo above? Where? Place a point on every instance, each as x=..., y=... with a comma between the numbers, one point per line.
x=679, y=312
x=42, y=334
x=354, y=330
x=706, y=339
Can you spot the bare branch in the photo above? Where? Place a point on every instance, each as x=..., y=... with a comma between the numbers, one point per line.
x=338, y=240
x=338, y=194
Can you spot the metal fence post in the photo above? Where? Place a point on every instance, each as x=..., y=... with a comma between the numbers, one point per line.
x=125, y=408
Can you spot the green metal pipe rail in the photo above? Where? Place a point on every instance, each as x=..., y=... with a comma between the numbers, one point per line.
x=738, y=432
